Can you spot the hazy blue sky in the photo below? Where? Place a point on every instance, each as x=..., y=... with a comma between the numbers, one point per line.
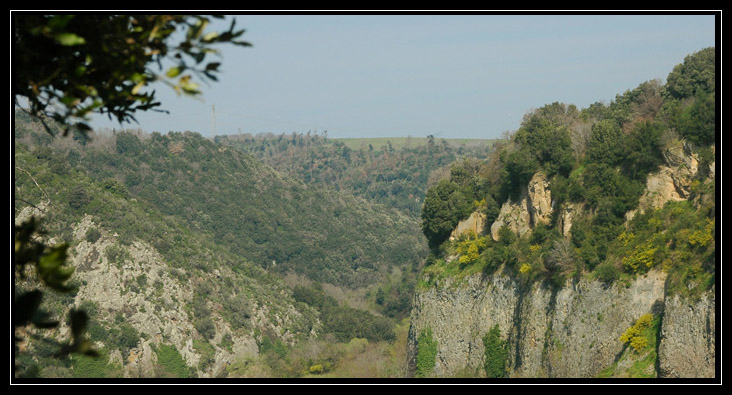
x=447, y=75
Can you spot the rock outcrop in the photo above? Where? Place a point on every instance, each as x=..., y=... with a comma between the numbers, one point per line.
x=533, y=206
x=673, y=180
x=132, y=286
x=473, y=224
x=515, y=215
x=568, y=213
x=539, y=200
x=683, y=163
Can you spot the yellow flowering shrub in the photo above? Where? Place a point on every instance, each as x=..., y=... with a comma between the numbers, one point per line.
x=642, y=257
x=634, y=334
x=703, y=237
x=470, y=249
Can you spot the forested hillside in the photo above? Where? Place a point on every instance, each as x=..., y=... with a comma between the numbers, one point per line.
x=164, y=225
x=262, y=215
x=144, y=278
x=607, y=193
x=596, y=161
x=396, y=175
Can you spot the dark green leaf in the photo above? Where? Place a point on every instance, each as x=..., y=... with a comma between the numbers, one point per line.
x=25, y=307
x=78, y=320
x=59, y=21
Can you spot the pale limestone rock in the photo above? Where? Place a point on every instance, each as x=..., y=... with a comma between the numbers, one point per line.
x=474, y=224
x=142, y=289
x=660, y=188
x=712, y=166
x=685, y=165
x=141, y=361
x=459, y=317
x=515, y=215
x=540, y=199
x=534, y=206
x=673, y=180
x=680, y=156
x=82, y=227
x=29, y=211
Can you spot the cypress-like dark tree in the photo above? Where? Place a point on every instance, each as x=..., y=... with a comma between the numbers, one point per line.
x=496, y=354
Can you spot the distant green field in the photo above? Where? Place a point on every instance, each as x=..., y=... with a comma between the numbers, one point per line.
x=400, y=142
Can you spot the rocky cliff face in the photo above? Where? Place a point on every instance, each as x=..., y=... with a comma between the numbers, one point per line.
x=688, y=337
x=573, y=331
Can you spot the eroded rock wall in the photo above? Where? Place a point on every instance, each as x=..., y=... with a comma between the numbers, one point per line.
x=688, y=334
x=572, y=331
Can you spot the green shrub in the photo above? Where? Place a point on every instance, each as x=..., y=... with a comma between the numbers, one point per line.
x=518, y=168
x=606, y=143
x=426, y=353
x=113, y=185
x=643, y=146
x=128, y=143
x=207, y=352
x=93, y=234
x=172, y=362
x=641, y=259
x=506, y=236
x=206, y=327
x=642, y=333
x=607, y=273
x=444, y=206
x=227, y=343
x=94, y=367
x=471, y=248
x=78, y=197
x=116, y=253
x=121, y=336
x=276, y=347
x=496, y=353
x=346, y=323
x=694, y=76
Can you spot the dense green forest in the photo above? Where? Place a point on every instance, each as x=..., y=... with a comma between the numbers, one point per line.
x=396, y=175
x=596, y=159
x=260, y=214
